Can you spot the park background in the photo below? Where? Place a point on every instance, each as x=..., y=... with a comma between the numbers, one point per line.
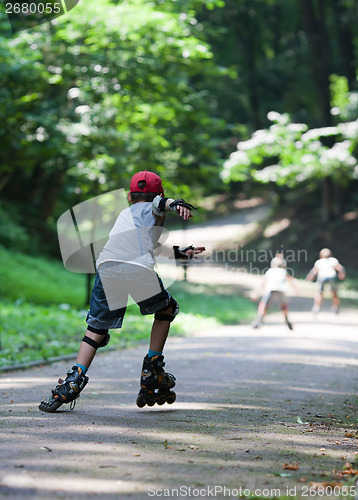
x=231, y=102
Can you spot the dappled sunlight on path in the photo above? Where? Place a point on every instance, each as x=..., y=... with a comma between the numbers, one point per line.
x=248, y=401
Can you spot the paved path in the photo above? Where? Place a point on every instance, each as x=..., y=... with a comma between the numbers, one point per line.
x=234, y=424
x=268, y=412
x=234, y=227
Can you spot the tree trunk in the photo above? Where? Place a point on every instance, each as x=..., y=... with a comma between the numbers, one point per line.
x=316, y=34
x=345, y=40
x=4, y=180
x=49, y=199
x=249, y=37
x=36, y=183
x=325, y=200
x=337, y=198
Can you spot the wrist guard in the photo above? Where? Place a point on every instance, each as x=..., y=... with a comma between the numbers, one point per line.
x=180, y=253
x=180, y=203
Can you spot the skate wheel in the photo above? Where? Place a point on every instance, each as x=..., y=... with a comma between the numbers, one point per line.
x=150, y=403
x=51, y=404
x=160, y=403
x=140, y=401
x=171, y=398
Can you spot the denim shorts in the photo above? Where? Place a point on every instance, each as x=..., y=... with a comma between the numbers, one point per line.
x=114, y=283
x=273, y=296
x=332, y=282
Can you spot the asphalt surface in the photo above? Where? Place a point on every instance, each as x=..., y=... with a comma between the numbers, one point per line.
x=268, y=413
x=264, y=411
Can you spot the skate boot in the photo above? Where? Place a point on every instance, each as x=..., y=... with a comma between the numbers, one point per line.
x=257, y=323
x=288, y=323
x=155, y=383
x=67, y=391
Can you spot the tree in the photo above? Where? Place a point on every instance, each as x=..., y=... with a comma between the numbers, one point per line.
x=91, y=98
x=290, y=154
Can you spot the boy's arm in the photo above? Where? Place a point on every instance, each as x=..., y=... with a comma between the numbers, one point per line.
x=341, y=271
x=161, y=206
x=293, y=283
x=311, y=275
x=258, y=291
x=187, y=253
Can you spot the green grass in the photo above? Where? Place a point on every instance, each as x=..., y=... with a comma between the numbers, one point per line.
x=42, y=313
x=39, y=280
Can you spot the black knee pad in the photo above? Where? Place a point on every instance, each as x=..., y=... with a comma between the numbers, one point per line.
x=168, y=316
x=95, y=344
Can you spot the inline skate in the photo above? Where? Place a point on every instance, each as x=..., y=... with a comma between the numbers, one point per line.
x=155, y=383
x=67, y=391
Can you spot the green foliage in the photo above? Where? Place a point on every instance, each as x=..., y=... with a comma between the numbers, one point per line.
x=30, y=332
x=11, y=231
x=171, y=86
x=92, y=97
x=290, y=153
x=39, y=280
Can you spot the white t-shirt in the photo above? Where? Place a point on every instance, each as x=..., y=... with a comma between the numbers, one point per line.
x=133, y=237
x=326, y=268
x=276, y=280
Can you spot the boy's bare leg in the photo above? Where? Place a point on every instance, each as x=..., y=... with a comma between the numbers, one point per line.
x=335, y=301
x=86, y=352
x=261, y=313
x=159, y=333
x=284, y=308
x=318, y=300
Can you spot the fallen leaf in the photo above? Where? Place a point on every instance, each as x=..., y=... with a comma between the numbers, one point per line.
x=291, y=466
x=45, y=448
x=325, y=484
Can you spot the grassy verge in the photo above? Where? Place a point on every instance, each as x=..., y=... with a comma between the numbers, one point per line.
x=42, y=314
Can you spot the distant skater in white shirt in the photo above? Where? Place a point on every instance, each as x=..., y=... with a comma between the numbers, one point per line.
x=326, y=269
x=274, y=287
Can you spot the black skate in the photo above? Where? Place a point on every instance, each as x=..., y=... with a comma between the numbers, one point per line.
x=155, y=383
x=67, y=391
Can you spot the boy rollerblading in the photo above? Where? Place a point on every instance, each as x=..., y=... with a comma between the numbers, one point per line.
x=274, y=284
x=327, y=269
x=125, y=267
